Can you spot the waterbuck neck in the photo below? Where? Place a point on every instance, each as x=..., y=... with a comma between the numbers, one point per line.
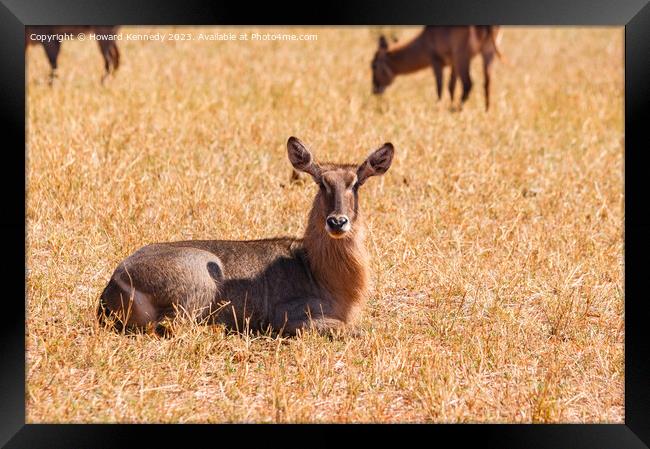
x=338, y=265
x=409, y=57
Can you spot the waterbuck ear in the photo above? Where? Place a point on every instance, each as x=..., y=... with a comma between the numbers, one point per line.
x=377, y=163
x=383, y=43
x=301, y=158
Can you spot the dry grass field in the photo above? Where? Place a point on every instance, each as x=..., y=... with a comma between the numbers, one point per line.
x=496, y=238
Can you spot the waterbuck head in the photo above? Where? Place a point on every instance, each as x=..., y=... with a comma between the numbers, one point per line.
x=336, y=204
x=382, y=74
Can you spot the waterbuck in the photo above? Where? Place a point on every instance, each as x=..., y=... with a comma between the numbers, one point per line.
x=52, y=36
x=284, y=285
x=438, y=47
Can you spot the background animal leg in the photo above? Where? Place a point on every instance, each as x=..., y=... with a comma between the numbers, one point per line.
x=461, y=67
x=105, y=47
x=488, y=57
x=452, y=85
x=437, y=72
x=115, y=56
x=52, y=51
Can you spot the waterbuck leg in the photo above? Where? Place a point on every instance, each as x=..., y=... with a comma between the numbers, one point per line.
x=127, y=307
x=452, y=84
x=436, y=63
x=298, y=315
x=160, y=282
x=105, y=47
x=488, y=58
x=330, y=327
x=461, y=66
x=52, y=51
x=115, y=57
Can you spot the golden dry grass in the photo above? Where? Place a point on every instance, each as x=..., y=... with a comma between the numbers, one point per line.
x=496, y=239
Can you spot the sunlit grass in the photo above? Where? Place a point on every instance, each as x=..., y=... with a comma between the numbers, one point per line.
x=496, y=238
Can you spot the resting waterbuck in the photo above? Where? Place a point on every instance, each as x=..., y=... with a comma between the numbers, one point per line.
x=52, y=36
x=319, y=282
x=438, y=47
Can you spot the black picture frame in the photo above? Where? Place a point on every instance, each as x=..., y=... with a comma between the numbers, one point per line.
x=15, y=14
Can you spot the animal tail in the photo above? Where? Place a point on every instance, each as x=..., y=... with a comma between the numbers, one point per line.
x=495, y=36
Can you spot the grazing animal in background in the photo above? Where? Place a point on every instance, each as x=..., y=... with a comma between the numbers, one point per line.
x=439, y=47
x=285, y=285
x=52, y=36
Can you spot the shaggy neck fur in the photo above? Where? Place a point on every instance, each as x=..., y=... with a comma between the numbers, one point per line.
x=339, y=265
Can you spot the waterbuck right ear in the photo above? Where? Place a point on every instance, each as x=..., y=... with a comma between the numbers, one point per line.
x=377, y=163
x=301, y=158
x=383, y=43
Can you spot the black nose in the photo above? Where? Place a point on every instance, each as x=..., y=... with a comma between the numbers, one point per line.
x=337, y=223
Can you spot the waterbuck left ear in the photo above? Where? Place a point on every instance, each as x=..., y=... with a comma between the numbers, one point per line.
x=377, y=163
